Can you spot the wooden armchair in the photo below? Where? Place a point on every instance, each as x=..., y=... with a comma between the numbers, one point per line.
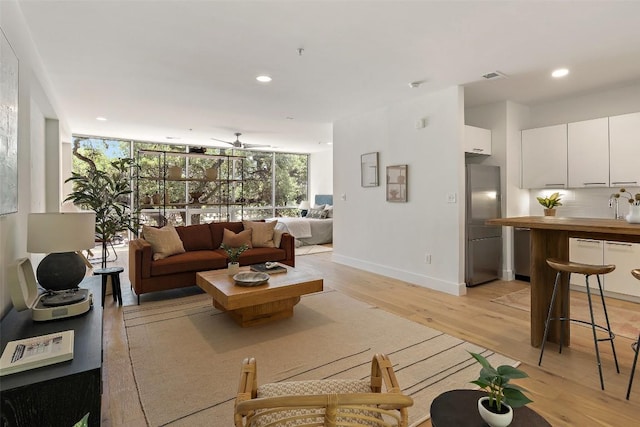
x=327, y=403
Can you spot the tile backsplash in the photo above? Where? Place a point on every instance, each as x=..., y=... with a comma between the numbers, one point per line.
x=583, y=202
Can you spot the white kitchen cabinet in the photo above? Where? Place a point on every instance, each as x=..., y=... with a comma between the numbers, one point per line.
x=624, y=146
x=544, y=157
x=586, y=251
x=588, y=153
x=477, y=140
x=626, y=257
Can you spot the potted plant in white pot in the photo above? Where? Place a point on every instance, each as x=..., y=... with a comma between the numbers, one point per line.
x=496, y=409
x=550, y=203
x=234, y=255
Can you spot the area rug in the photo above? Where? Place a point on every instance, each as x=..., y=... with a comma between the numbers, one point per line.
x=624, y=322
x=186, y=355
x=312, y=249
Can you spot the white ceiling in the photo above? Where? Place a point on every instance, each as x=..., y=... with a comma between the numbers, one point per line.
x=187, y=68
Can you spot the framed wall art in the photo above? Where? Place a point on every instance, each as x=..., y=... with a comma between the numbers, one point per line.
x=369, y=170
x=8, y=127
x=397, y=183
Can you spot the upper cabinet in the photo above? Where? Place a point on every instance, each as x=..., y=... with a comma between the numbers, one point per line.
x=477, y=140
x=588, y=153
x=624, y=134
x=544, y=157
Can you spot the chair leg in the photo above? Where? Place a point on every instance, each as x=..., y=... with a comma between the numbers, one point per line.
x=633, y=368
x=546, y=325
x=564, y=313
x=593, y=329
x=606, y=317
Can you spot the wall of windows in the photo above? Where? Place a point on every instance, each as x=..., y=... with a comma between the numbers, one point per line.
x=274, y=183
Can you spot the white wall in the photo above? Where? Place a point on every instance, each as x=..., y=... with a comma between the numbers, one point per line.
x=320, y=173
x=35, y=105
x=393, y=238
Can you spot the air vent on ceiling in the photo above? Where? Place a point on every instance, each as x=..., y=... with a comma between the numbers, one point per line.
x=494, y=75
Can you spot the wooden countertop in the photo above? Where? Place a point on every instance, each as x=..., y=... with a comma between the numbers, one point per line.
x=577, y=227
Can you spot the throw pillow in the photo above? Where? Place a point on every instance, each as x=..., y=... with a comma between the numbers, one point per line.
x=329, y=210
x=277, y=237
x=317, y=214
x=164, y=241
x=261, y=233
x=235, y=240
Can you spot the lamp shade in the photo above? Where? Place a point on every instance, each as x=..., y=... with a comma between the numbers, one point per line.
x=304, y=205
x=61, y=232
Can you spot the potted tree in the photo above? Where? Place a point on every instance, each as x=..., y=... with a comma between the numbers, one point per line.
x=550, y=203
x=106, y=192
x=496, y=409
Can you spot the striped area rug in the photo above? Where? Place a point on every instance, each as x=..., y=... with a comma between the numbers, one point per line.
x=186, y=355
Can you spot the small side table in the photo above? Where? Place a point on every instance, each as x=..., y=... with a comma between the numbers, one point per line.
x=114, y=273
x=460, y=408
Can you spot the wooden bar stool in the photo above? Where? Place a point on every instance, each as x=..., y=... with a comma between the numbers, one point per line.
x=634, y=346
x=587, y=269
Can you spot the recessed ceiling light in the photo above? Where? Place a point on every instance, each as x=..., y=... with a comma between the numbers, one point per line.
x=263, y=79
x=560, y=72
x=173, y=137
x=102, y=119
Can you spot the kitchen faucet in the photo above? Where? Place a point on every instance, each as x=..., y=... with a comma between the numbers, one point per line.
x=614, y=198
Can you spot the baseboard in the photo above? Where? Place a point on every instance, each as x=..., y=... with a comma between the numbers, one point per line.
x=456, y=289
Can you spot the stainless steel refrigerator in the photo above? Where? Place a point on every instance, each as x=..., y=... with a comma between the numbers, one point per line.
x=484, y=242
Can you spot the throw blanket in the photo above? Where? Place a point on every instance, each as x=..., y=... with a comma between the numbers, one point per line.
x=298, y=227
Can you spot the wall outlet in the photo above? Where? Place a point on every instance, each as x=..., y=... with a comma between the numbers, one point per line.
x=452, y=198
x=427, y=258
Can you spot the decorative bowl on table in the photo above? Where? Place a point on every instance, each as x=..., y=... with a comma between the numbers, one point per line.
x=250, y=278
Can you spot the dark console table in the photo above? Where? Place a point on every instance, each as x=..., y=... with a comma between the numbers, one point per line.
x=59, y=394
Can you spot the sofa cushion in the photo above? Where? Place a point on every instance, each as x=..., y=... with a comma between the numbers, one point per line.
x=235, y=240
x=260, y=255
x=189, y=261
x=261, y=233
x=217, y=231
x=195, y=237
x=164, y=241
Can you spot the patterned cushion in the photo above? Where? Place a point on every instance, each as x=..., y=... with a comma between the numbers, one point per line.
x=317, y=213
x=301, y=388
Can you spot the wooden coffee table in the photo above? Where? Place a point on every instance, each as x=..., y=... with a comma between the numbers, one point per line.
x=256, y=305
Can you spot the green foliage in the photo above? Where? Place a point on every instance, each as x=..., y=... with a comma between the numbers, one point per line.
x=233, y=253
x=496, y=383
x=84, y=422
x=107, y=193
x=550, y=202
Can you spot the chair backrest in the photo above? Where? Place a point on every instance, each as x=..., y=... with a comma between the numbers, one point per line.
x=330, y=410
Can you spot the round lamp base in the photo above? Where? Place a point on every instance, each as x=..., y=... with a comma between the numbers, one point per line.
x=60, y=271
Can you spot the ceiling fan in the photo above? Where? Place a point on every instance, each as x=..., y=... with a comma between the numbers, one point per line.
x=238, y=144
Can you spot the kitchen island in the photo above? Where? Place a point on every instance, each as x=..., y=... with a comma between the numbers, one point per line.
x=550, y=239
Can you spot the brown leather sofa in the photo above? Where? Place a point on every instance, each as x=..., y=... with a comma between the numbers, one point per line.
x=201, y=243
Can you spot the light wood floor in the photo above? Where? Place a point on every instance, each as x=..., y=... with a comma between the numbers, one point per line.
x=565, y=390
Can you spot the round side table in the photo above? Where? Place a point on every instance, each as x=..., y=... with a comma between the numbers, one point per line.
x=460, y=408
x=114, y=273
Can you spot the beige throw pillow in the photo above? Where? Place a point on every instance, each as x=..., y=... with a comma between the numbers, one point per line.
x=164, y=241
x=233, y=240
x=262, y=236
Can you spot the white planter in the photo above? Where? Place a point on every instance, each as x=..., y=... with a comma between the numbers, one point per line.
x=634, y=214
x=494, y=420
x=233, y=268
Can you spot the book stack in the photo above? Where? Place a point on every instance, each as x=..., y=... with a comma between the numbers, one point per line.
x=269, y=268
x=30, y=353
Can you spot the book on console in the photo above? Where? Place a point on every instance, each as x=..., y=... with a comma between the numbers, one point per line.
x=43, y=350
x=273, y=270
